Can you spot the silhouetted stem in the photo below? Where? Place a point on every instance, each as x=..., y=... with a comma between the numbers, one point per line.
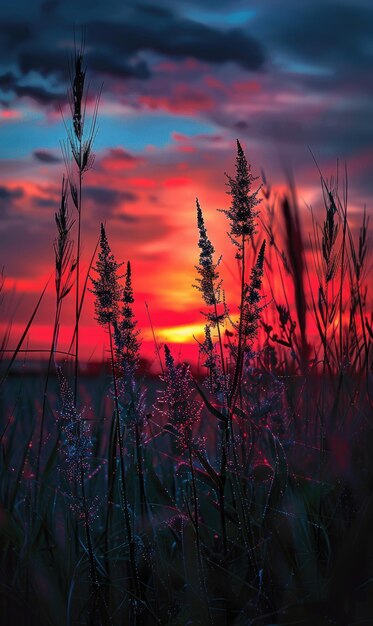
x=46, y=384
x=77, y=308
x=140, y=469
x=127, y=520
x=239, y=361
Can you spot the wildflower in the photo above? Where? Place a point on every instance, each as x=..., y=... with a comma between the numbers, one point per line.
x=180, y=410
x=209, y=283
x=127, y=347
x=216, y=378
x=106, y=287
x=242, y=213
x=125, y=334
x=76, y=440
x=210, y=286
x=250, y=310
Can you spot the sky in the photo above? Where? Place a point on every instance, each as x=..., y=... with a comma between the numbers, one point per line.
x=179, y=83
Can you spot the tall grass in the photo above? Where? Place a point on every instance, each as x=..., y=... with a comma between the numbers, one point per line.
x=238, y=497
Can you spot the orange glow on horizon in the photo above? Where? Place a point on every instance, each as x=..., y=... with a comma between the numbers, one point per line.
x=181, y=334
x=149, y=210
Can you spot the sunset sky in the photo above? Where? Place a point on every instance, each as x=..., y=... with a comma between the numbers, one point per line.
x=180, y=82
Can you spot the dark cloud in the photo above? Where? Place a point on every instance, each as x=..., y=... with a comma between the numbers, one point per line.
x=45, y=156
x=8, y=196
x=341, y=132
x=119, y=154
x=335, y=34
x=7, y=81
x=115, y=158
x=49, y=6
x=57, y=63
x=107, y=204
x=10, y=83
x=44, y=203
x=311, y=61
x=165, y=32
x=140, y=28
x=14, y=33
x=40, y=94
x=47, y=60
x=104, y=196
x=107, y=63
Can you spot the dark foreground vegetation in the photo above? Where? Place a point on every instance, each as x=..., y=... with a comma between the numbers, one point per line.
x=242, y=496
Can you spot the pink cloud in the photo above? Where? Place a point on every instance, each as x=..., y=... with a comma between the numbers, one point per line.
x=183, y=99
x=8, y=115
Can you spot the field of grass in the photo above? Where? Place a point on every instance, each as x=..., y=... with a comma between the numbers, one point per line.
x=239, y=495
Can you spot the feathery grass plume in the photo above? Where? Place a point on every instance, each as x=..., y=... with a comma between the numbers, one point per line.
x=216, y=380
x=106, y=287
x=76, y=445
x=126, y=335
x=107, y=291
x=178, y=407
x=242, y=212
x=76, y=452
x=251, y=310
x=209, y=284
x=242, y=216
x=132, y=397
x=108, y=294
x=182, y=413
x=127, y=350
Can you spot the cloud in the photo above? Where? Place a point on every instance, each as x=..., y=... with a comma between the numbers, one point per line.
x=335, y=34
x=45, y=156
x=165, y=32
x=116, y=160
x=8, y=196
x=103, y=196
x=10, y=83
x=49, y=6
x=107, y=203
x=107, y=63
x=14, y=33
x=40, y=95
x=7, y=81
x=38, y=50
x=183, y=100
x=46, y=59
